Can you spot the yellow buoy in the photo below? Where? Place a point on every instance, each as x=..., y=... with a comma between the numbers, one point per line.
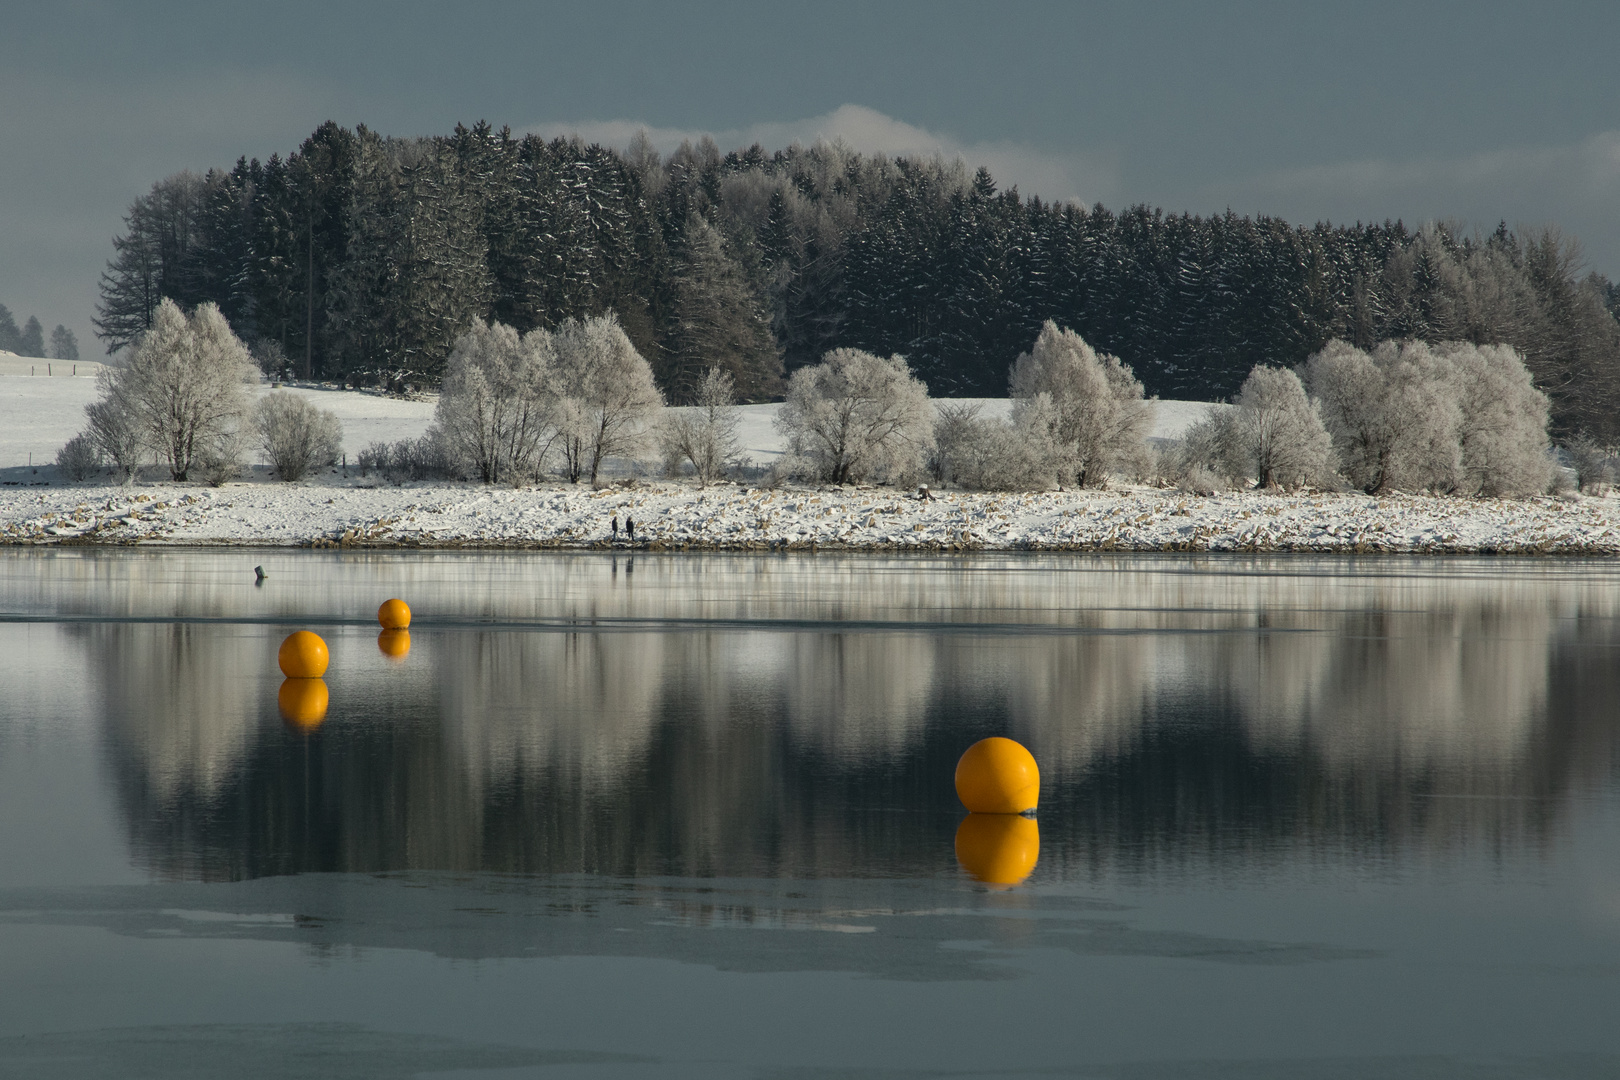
x=394, y=615
x=303, y=656
x=394, y=644
x=303, y=702
x=998, y=849
x=998, y=776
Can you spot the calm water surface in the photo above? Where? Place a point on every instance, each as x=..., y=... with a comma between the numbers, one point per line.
x=692, y=816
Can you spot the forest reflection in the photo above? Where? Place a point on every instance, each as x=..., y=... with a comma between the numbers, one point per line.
x=762, y=718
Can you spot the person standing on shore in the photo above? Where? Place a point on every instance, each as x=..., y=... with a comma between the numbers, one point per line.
x=630, y=528
x=615, y=528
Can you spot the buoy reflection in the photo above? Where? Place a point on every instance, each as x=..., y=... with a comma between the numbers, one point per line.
x=303, y=702
x=394, y=644
x=998, y=849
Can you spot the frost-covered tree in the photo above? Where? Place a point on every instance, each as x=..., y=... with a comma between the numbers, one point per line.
x=704, y=433
x=185, y=387
x=1391, y=413
x=608, y=401
x=1099, y=418
x=856, y=416
x=33, y=338
x=115, y=426
x=295, y=435
x=987, y=454
x=79, y=458
x=497, y=406
x=1449, y=417
x=64, y=346
x=1278, y=432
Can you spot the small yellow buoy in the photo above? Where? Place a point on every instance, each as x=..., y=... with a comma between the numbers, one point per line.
x=303, y=702
x=303, y=656
x=998, y=776
x=394, y=644
x=998, y=849
x=394, y=615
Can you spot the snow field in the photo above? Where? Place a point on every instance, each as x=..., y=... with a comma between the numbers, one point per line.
x=675, y=515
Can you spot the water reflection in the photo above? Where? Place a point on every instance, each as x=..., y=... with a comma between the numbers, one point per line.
x=801, y=717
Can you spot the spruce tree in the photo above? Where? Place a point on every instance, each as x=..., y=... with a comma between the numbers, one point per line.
x=717, y=321
x=33, y=338
x=10, y=336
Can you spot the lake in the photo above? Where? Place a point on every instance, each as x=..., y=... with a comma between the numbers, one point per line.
x=693, y=816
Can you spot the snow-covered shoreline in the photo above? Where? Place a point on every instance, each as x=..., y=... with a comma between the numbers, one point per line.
x=679, y=516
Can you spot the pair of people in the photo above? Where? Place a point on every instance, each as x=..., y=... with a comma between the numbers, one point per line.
x=629, y=528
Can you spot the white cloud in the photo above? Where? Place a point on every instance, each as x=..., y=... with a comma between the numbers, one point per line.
x=1083, y=178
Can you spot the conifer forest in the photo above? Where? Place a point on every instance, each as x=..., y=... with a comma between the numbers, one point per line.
x=360, y=258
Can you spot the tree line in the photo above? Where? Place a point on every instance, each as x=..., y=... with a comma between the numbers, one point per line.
x=29, y=339
x=362, y=257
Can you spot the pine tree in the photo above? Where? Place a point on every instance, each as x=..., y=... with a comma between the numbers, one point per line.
x=33, y=338
x=717, y=321
x=10, y=336
x=64, y=346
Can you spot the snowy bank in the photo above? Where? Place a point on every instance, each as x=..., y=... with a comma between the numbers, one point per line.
x=677, y=515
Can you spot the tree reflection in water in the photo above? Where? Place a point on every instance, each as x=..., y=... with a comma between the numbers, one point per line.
x=800, y=717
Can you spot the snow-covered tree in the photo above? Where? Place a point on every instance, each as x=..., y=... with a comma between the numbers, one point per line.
x=1450, y=417
x=608, y=401
x=185, y=389
x=295, y=435
x=1279, y=433
x=719, y=321
x=856, y=416
x=705, y=432
x=497, y=405
x=1503, y=428
x=1099, y=418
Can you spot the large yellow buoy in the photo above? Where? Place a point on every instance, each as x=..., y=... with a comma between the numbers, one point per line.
x=303, y=656
x=394, y=615
x=998, y=776
x=394, y=644
x=998, y=849
x=303, y=702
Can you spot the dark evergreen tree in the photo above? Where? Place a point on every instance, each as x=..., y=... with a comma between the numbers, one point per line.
x=717, y=320
x=32, y=341
x=10, y=336
x=64, y=346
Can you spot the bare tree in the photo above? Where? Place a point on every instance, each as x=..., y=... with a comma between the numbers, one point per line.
x=79, y=458
x=497, y=406
x=1099, y=420
x=608, y=400
x=295, y=435
x=705, y=433
x=857, y=416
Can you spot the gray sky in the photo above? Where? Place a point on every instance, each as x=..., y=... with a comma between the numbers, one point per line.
x=1481, y=111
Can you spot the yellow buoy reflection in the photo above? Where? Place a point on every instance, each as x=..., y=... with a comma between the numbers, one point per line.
x=394, y=644
x=999, y=849
x=303, y=702
x=303, y=656
x=394, y=615
x=998, y=776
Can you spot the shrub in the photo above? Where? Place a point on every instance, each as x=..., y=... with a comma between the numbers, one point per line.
x=79, y=458
x=296, y=436
x=703, y=434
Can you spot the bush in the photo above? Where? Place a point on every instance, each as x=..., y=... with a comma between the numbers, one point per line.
x=1594, y=465
x=427, y=458
x=79, y=458
x=296, y=436
x=220, y=458
x=115, y=429
x=703, y=434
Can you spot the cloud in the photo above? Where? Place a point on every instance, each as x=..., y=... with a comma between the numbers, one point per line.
x=1575, y=185
x=1064, y=177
